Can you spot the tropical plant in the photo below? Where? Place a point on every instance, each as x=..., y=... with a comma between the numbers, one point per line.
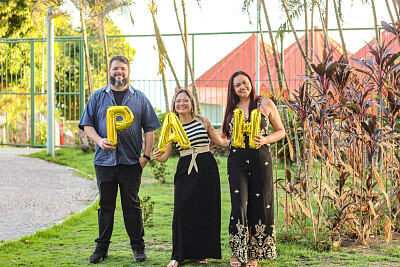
x=338, y=185
x=99, y=15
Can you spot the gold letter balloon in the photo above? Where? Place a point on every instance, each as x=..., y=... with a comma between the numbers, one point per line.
x=113, y=125
x=240, y=127
x=178, y=135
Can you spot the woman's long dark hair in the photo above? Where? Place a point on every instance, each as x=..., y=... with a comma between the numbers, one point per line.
x=232, y=100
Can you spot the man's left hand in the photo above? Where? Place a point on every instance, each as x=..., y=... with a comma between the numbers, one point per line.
x=143, y=161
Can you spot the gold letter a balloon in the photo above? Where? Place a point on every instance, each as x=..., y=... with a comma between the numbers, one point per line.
x=179, y=134
x=240, y=127
x=113, y=125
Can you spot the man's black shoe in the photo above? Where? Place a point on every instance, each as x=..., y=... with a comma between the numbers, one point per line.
x=139, y=254
x=98, y=255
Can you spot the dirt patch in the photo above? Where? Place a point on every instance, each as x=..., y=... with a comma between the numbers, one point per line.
x=147, y=180
x=373, y=247
x=155, y=244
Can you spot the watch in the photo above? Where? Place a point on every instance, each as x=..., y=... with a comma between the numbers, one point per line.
x=146, y=157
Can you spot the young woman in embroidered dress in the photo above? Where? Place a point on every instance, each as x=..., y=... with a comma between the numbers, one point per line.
x=196, y=226
x=250, y=172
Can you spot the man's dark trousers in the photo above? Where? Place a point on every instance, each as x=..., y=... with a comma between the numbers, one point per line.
x=128, y=178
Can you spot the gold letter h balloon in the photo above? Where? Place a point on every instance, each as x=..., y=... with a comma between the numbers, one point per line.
x=240, y=127
x=113, y=125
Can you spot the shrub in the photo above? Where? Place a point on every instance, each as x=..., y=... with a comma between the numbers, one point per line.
x=147, y=206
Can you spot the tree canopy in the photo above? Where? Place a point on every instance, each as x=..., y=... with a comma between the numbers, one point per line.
x=16, y=20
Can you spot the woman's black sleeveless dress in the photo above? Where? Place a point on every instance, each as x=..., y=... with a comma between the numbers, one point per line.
x=252, y=225
x=196, y=226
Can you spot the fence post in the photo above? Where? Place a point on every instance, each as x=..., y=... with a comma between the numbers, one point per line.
x=32, y=93
x=258, y=51
x=193, y=53
x=81, y=78
x=50, y=82
x=283, y=66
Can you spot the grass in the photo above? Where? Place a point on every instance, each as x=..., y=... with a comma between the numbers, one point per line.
x=71, y=242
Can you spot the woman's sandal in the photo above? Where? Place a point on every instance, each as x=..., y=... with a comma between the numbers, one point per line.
x=235, y=262
x=173, y=263
x=251, y=263
x=203, y=261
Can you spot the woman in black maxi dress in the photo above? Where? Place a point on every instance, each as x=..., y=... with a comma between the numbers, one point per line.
x=250, y=172
x=196, y=225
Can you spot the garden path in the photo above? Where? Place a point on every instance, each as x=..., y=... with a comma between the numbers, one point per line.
x=35, y=194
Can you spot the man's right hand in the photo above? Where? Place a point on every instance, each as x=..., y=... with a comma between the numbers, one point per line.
x=104, y=144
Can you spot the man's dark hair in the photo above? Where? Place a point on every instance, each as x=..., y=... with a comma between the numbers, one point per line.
x=119, y=58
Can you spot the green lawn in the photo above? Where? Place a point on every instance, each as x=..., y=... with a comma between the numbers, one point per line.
x=72, y=242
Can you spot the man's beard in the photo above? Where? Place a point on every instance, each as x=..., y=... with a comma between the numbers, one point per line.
x=119, y=84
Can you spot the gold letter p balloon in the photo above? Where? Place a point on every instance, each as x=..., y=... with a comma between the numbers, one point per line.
x=113, y=125
x=240, y=127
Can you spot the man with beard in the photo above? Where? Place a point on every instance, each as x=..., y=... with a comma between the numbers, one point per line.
x=120, y=165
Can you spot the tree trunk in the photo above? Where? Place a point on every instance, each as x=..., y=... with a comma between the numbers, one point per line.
x=378, y=39
x=340, y=28
x=327, y=48
x=325, y=30
x=279, y=72
x=389, y=11
x=194, y=91
x=104, y=34
x=161, y=47
x=308, y=72
x=326, y=14
x=312, y=31
x=265, y=56
x=306, y=44
x=377, y=32
x=295, y=34
x=396, y=9
x=85, y=45
x=165, y=91
x=306, y=60
x=186, y=38
x=162, y=53
x=273, y=45
x=306, y=35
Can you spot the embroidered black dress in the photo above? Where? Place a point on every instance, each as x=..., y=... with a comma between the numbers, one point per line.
x=252, y=226
x=196, y=226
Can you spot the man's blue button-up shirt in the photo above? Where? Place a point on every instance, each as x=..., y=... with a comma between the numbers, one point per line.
x=129, y=141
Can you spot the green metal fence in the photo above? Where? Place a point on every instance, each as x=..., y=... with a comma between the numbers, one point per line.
x=23, y=88
x=23, y=98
